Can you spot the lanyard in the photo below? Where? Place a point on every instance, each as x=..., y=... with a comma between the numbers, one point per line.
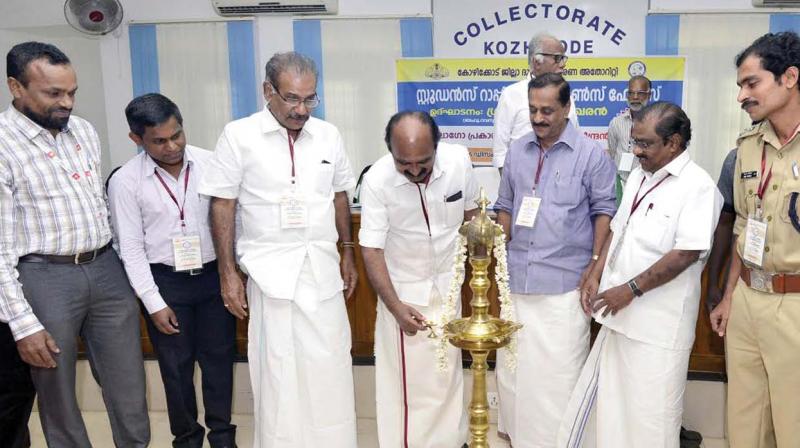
x=763, y=181
x=181, y=207
x=424, y=208
x=291, y=152
x=637, y=200
x=539, y=168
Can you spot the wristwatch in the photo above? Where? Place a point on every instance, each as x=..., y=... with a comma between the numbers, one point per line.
x=635, y=288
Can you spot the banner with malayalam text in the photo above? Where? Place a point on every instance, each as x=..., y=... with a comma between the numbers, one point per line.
x=461, y=94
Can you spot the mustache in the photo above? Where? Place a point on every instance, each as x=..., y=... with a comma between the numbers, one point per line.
x=61, y=109
x=541, y=125
x=298, y=117
x=422, y=173
x=748, y=103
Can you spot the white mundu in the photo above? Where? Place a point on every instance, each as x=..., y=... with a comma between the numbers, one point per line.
x=299, y=336
x=636, y=371
x=512, y=119
x=417, y=227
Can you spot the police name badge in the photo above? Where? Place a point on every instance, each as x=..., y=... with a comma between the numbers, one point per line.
x=755, y=241
x=528, y=211
x=294, y=212
x=187, y=252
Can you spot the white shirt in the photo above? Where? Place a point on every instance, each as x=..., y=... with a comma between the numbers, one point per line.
x=392, y=219
x=52, y=202
x=512, y=119
x=619, y=141
x=145, y=218
x=679, y=214
x=252, y=163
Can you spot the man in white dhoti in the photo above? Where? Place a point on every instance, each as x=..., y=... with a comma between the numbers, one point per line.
x=289, y=173
x=555, y=203
x=649, y=293
x=413, y=202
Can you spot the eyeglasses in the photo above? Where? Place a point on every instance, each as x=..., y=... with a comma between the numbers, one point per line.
x=635, y=93
x=310, y=102
x=559, y=58
x=644, y=144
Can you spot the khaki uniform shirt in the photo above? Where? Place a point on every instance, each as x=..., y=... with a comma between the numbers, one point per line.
x=782, y=249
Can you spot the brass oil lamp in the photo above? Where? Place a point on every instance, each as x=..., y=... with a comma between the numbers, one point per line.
x=481, y=332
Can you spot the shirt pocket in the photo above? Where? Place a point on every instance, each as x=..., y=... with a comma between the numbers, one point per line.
x=566, y=191
x=454, y=212
x=786, y=205
x=323, y=181
x=750, y=191
x=654, y=231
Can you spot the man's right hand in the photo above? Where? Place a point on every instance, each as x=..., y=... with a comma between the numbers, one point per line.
x=37, y=349
x=165, y=321
x=233, y=294
x=409, y=319
x=719, y=316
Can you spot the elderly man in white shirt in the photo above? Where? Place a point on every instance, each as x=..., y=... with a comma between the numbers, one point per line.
x=164, y=240
x=413, y=202
x=649, y=293
x=546, y=54
x=619, y=130
x=289, y=173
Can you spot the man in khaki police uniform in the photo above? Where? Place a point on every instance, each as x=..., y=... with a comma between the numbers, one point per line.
x=761, y=308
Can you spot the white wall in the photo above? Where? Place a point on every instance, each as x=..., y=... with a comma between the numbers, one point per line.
x=86, y=58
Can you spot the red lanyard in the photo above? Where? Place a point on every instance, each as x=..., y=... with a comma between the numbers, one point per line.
x=424, y=209
x=637, y=200
x=539, y=168
x=291, y=152
x=181, y=207
x=763, y=181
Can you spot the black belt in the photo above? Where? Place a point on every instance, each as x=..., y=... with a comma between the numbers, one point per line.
x=81, y=258
x=211, y=265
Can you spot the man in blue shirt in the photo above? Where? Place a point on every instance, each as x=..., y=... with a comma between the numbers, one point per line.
x=555, y=203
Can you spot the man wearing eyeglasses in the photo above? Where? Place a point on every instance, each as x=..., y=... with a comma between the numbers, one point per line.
x=619, y=130
x=645, y=291
x=511, y=120
x=289, y=173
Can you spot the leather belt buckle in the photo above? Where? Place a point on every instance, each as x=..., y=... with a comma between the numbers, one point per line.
x=77, y=259
x=761, y=280
x=197, y=271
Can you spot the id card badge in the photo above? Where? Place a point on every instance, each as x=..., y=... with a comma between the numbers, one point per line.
x=626, y=162
x=755, y=240
x=528, y=211
x=294, y=211
x=187, y=253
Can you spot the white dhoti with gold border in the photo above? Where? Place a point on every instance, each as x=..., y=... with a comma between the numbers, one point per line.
x=551, y=350
x=300, y=368
x=418, y=405
x=634, y=391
